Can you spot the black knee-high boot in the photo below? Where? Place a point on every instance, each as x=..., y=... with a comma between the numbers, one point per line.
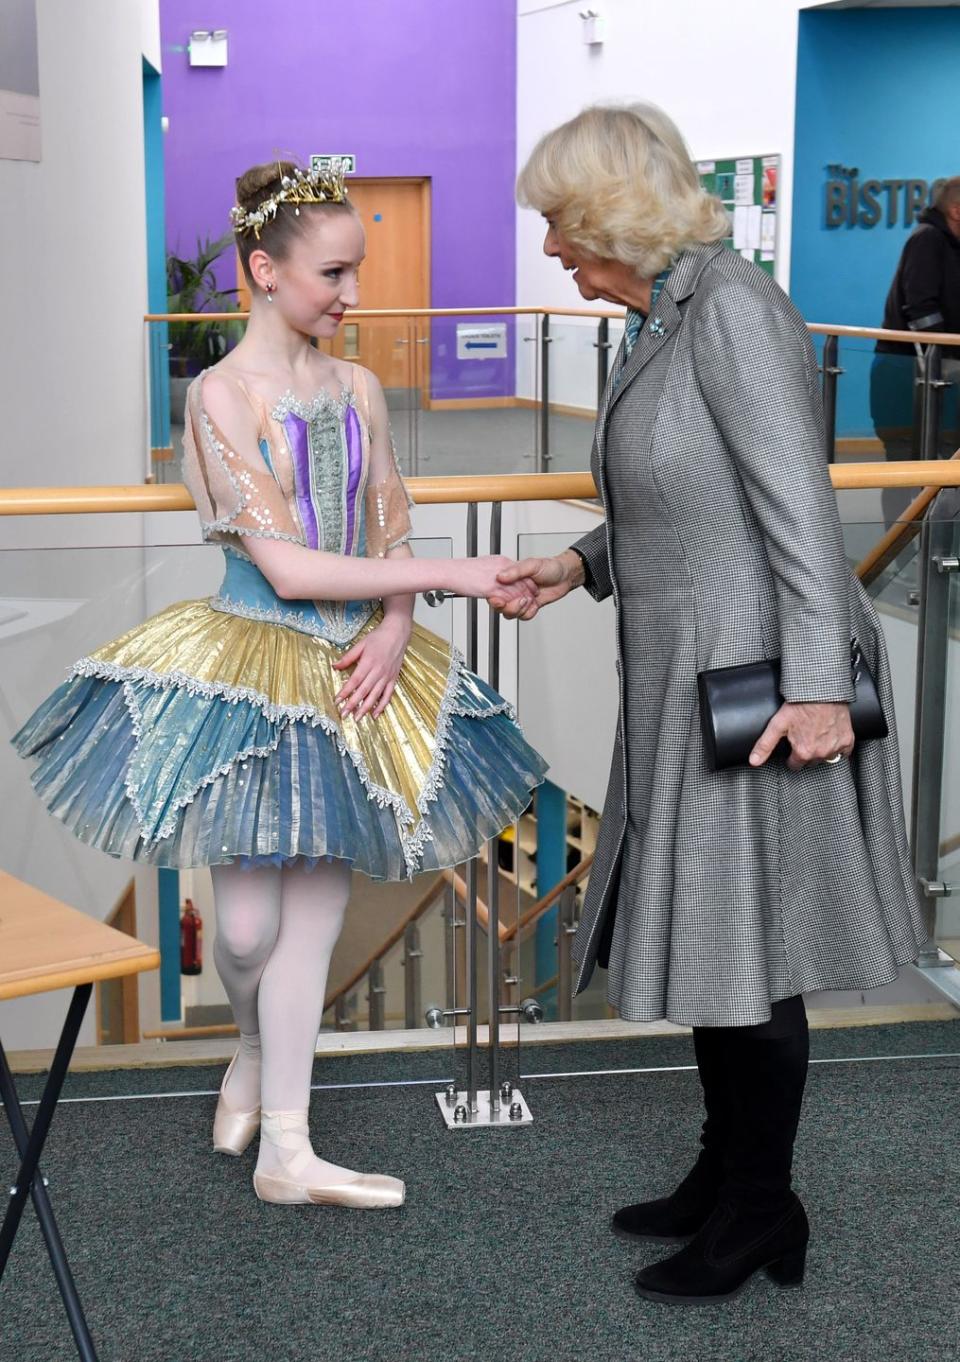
x=683, y=1212
x=759, y=1221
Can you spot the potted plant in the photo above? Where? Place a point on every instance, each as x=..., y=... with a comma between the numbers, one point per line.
x=194, y=346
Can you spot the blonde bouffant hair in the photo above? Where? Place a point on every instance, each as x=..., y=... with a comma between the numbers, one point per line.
x=618, y=182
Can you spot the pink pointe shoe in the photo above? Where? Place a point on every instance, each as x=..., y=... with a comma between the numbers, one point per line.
x=233, y=1130
x=290, y=1180
x=365, y=1192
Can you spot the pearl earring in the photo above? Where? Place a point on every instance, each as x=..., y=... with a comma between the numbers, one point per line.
x=271, y=289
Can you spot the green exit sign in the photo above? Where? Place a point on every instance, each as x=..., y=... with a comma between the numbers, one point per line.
x=324, y=164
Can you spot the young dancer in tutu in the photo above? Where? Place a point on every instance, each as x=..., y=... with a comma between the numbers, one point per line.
x=298, y=725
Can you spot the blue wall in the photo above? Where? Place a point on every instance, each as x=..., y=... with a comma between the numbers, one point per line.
x=876, y=90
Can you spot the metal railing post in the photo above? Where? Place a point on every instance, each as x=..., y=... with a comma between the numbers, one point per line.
x=502, y=1104
x=453, y=923
x=830, y=370
x=566, y=927
x=422, y=378
x=412, y=974
x=602, y=344
x=545, y=342
x=493, y=865
x=932, y=407
x=471, y=930
x=376, y=1015
x=937, y=562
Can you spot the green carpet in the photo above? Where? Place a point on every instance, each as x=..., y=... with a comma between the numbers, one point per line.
x=502, y=1249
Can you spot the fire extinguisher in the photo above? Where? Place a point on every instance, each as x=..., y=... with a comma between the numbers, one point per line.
x=191, y=940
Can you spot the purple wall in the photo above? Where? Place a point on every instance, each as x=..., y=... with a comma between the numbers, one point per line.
x=413, y=87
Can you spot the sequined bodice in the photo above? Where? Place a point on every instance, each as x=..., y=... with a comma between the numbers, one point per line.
x=315, y=477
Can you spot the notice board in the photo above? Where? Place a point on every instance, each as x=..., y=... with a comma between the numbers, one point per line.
x=749, y=189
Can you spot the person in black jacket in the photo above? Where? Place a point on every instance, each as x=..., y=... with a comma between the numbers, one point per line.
x=924, y=296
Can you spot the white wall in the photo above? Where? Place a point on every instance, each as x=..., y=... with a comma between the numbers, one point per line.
x=73, y=294
x=73, y=253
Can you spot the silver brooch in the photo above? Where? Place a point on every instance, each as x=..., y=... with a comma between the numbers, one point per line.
x=657, y=327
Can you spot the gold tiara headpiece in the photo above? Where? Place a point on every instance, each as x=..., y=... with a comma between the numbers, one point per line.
x=303, y=186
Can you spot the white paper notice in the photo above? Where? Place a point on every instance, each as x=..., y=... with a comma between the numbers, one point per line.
x=743, y=189
x=706, y=167
x=745, y=165
x=766, y=255
x=740, y=227
x=747, y=255
x=768, y=231
x=754, y=214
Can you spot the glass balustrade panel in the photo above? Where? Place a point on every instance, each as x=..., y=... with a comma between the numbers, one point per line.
x=574, y=387
x=478, y=413
x=947, y=934
x=59, y=605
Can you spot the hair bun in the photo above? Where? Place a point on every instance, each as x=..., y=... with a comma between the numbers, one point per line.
x=259, y=182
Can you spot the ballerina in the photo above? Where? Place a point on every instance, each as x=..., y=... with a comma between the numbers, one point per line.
x=298, y=725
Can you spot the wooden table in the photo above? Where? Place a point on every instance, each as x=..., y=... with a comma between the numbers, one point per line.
x=46, y=945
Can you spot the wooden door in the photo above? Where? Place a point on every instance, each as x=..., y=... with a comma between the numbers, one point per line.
x=395, y=274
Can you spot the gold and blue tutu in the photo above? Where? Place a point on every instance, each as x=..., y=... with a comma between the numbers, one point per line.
x=210, y=733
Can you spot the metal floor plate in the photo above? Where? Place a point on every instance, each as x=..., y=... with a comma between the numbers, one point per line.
x=457, y=1115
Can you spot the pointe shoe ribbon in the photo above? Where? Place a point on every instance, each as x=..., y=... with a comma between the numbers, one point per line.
x=233, y=1130
x=288, y=1186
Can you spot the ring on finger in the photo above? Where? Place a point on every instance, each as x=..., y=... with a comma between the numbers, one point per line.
x=832, y=761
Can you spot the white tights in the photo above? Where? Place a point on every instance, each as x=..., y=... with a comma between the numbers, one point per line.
x=276, y=930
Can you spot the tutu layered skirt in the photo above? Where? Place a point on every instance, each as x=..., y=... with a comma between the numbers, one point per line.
x=203, y=736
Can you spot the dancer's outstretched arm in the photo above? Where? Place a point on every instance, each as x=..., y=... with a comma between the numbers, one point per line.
x=298, y=573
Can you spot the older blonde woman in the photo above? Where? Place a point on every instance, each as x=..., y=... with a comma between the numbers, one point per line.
x=717, y=898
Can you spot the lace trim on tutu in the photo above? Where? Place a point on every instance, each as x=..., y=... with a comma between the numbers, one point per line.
x=211, y=690
x=413, y=838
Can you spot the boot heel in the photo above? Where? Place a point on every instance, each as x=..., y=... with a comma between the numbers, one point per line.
x=789, y=1270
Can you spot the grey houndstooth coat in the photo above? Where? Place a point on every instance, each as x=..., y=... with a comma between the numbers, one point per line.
x=714, y=894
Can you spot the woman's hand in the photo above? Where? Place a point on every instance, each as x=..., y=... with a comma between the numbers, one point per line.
x=376, y=661
x=551, y=578
x=482, y=577
x=815, y=731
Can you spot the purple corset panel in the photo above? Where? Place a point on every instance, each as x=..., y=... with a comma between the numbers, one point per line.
x=327, y=475
x=298, y=438
x=354, y=442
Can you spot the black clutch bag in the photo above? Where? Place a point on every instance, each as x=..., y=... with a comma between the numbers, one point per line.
x=737, y=703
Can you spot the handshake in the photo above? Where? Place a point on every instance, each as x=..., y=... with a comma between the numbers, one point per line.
x=519, y=590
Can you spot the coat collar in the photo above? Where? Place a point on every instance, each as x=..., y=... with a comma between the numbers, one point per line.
x=658, y=328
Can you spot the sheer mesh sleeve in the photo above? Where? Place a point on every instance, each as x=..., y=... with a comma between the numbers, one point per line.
x=387, y=502
x=234, y=490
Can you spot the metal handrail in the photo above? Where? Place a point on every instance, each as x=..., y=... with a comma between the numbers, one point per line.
x=587, y=314
x=442, y=491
